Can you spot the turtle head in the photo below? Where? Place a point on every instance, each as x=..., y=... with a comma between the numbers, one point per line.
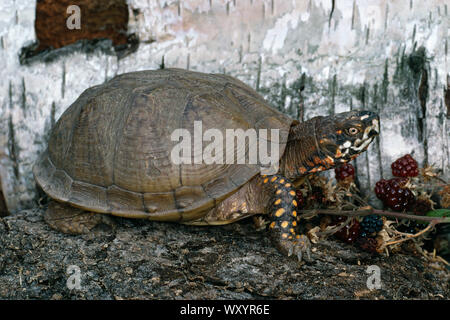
x=342, y=137
x=322, y=143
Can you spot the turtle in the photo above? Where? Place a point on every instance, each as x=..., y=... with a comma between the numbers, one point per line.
x=112, y=153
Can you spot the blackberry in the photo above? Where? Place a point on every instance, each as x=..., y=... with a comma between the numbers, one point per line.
x=411, y=227
x=371, y=225
x=405, y=166
x=345, y=172
x=394, y=194
x=350, y=232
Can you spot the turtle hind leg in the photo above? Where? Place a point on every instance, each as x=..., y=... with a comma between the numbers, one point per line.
x=70, y=220
x=283, y=218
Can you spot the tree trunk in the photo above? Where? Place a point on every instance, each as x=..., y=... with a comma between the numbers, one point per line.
x=391, y=57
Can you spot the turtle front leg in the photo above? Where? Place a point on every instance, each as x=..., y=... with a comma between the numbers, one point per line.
x=282, y=210
x=70, y=220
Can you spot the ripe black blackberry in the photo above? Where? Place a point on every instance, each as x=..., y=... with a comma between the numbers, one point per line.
x=345, y=172
x=394, y=194
x=405, y=166
x=411, y=227
x=371, y=225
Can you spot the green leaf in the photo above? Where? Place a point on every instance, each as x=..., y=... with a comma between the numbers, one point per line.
x=439, y=213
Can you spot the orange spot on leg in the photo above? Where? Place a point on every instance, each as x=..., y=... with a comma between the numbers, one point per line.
x=279, y=212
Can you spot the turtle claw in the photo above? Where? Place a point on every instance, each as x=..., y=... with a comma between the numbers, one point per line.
x=299, y=247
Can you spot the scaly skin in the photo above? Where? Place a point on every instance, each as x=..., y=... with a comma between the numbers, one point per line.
x=282, y=211
x=316, y=145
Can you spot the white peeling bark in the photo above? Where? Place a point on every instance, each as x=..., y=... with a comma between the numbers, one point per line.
x=357, y=59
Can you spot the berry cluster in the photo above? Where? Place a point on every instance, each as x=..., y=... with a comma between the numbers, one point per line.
x=410, y=227
x=371, y=225
x=405, y=166
x=394, y=194
x=345, y=173
x=350, y=232
x=356, y=232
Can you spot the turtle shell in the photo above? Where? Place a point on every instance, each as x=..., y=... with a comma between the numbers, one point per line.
x=110, y=152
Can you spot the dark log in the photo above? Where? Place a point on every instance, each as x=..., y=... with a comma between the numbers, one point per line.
x=153, y=260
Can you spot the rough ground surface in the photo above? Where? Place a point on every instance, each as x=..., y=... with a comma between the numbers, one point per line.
x=150, y=260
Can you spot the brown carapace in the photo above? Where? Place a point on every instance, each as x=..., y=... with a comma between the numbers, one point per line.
x=110, y=152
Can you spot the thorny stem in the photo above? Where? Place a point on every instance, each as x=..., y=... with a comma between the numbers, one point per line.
x=307, y=214
x=335, y=229
x=410, y=236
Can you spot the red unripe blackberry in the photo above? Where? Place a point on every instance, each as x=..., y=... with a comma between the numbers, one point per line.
x=350, y=232
x=405, y=166
x=394, y=194
x=345, y=172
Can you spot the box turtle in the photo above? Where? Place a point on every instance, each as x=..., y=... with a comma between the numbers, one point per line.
x=111, y=152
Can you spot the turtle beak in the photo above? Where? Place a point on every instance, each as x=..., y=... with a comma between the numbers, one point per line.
x=371, y=125
x=371, y=122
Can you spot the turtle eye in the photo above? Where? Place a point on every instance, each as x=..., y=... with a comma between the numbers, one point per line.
x=352, y=131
